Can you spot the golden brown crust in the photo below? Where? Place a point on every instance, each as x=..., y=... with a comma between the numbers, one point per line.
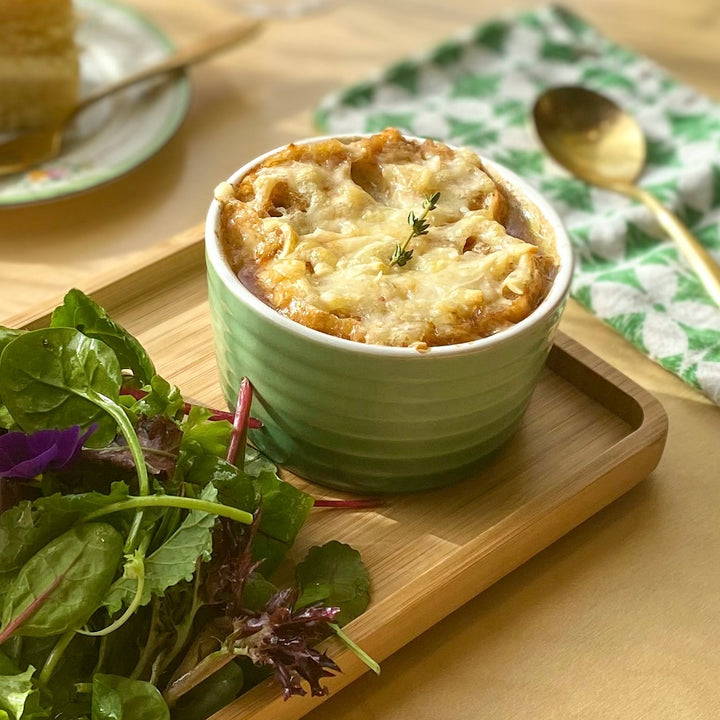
x=321, y=320
x=283, y=227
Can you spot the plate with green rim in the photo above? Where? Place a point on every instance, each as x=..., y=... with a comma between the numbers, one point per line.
x=120, y=132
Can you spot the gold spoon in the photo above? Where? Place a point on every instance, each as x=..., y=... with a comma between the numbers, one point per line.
x=593, y=138
x=37, y=146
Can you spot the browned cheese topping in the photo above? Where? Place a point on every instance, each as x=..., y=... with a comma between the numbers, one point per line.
x=313, y=228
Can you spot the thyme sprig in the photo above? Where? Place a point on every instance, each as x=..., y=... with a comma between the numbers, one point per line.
x=420, y=226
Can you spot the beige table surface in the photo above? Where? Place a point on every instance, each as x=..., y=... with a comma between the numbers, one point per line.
x=619, y=619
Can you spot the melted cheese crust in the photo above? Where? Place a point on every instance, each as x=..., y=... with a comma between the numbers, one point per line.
x=312, y=229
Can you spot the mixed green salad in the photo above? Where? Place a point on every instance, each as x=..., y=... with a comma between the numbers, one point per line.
x=141, y=537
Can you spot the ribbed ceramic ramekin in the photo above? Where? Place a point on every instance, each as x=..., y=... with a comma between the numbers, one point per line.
x=371, y=418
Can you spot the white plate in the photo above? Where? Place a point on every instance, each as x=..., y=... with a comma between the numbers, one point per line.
x=116, y=134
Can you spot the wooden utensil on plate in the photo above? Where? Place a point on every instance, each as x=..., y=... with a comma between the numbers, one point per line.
x=37, y=146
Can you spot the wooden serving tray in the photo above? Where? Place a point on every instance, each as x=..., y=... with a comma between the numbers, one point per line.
x=589, y=435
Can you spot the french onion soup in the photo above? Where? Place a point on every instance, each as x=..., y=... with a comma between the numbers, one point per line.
x=387, y=240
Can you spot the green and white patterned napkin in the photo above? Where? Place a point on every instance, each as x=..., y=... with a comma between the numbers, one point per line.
x=478, y=88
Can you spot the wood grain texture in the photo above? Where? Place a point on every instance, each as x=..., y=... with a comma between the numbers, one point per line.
x=589, y=435
x=618, y=619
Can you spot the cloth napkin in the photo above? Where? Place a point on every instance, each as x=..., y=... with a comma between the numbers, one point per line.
x=478, y=88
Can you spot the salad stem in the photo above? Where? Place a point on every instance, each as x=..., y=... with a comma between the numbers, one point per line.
x=102, y=650
x=182, y=631
x=186, y=503
x=372, y=664
x=204, y=669
x=134, y=530
x=54, y=657
x=151, y=643
x=118, y=414
x=128, y=431
x=136, y=562
x=352, y=504
x=238, y=439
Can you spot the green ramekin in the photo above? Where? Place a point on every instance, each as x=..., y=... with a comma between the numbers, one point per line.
x=371, y=418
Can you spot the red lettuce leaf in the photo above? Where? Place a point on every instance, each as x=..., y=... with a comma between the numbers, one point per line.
x=159, y=438
x=282, y=639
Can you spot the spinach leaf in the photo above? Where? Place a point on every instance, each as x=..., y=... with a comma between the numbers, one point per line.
x=173, y=561
x=284, y=507
x=29, y=526
x=162, y=399
x=56, y=378
x=23, y=531
x=284, y=511
x=7, y=666
x=7, y=335
x=233, y=486
x=117, y=698
x=6, y=579
x=80, y=312
x=71, y=508
x=26, y=651
x=63, y=584
x=334, y=575
x=106, y=703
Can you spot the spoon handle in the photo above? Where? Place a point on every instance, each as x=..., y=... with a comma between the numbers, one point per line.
x=699, y=258
x=189, y=55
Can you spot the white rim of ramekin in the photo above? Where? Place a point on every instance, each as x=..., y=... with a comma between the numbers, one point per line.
x=550, y=303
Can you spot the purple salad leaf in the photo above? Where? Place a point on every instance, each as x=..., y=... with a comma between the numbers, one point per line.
x=282, y=638
x=276, y=637
x=27, y=456
x=231, y=565
x=159, y=438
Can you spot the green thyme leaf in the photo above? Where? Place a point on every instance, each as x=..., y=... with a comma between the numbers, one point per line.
x=420, y=226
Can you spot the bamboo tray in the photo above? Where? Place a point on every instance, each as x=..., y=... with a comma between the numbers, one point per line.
x=589, y=435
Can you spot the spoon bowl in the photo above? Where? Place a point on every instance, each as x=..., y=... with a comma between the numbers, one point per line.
x=597, y=141
x=590, y=135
